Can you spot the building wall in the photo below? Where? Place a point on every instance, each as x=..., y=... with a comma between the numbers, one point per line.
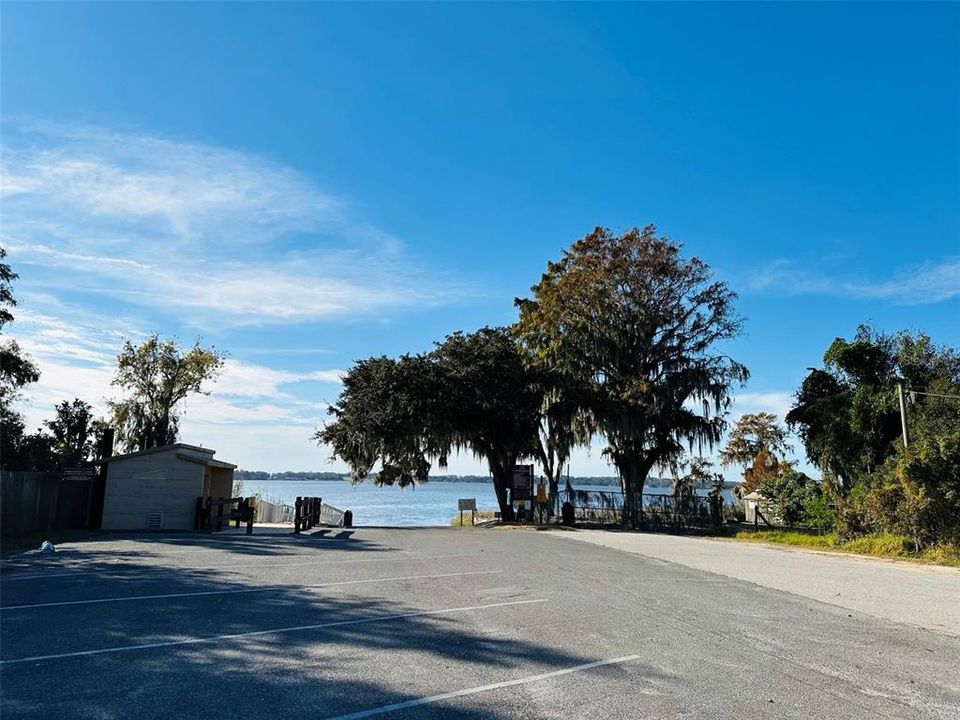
x=221, y=482
x=156, y=482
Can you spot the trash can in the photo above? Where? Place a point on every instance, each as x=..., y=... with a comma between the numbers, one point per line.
x=566, y=514
x=348, y=518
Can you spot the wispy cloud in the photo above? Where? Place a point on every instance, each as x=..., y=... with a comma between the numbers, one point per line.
x=211, y=235
x=136, y=182
x=778, y=403
x=110, y=228
x=923, y=284
x=249, y=380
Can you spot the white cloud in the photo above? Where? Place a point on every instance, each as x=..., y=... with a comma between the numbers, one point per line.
x=329, y=376
x=778, y=403
x=212, y=235
x=190, y=190
x=270, y=447
x=927, y=283
x=250, y=380
x=196, y=236
x=247, y=403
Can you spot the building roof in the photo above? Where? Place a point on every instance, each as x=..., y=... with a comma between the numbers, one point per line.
x=191, y=453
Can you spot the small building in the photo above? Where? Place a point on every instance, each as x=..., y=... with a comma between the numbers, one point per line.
x=157, y=489
x=751, y=505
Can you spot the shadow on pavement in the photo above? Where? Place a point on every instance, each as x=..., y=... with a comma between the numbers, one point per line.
x=315, y=673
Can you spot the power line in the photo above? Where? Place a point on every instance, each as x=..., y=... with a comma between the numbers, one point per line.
x=939, y=395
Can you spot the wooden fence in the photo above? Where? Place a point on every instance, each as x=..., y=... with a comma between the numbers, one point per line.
x=310, y=512
x=306, y=513
x=213, y=513
x=39, y=501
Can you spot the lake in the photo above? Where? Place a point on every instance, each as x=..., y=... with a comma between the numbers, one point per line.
x=433, y=503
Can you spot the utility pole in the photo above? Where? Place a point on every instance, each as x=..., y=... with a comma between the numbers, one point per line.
x=903, y=414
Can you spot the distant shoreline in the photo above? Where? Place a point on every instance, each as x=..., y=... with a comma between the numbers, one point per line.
x=332, y=477
x=260, y=476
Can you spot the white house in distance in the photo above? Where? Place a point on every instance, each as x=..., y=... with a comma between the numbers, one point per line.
x=157, y=489
x=751, y=503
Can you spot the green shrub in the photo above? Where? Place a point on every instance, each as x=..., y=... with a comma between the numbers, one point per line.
x=787, y=493
x=817, y=513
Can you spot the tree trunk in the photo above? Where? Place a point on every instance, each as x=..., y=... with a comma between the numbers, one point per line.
x=502, y=479
x=633, y=476
x=553, y=485
x=628, y=483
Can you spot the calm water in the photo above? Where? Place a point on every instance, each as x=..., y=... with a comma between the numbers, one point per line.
x=430, y=504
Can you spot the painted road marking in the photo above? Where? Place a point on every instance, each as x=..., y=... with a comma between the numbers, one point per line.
x=383, y=709
x=260, y=633
x=233, y=565
x=271, y=588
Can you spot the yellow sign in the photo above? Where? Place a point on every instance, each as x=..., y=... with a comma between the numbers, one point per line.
x=541, y=493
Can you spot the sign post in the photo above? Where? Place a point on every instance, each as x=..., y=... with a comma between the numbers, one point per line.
x=467, y=504
x=522, y=494
x=541, y=505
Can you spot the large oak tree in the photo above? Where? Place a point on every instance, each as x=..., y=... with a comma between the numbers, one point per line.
x=473, y=392
x=634, y=326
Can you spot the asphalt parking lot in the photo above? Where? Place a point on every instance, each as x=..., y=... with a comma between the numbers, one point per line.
x=440, y=623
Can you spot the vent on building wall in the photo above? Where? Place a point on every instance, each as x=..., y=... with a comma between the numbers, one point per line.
x=154, y=521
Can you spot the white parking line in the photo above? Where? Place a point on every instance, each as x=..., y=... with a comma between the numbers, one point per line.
x=257, y=633
x=272, y=588
x=234, y=565
x=383, y=709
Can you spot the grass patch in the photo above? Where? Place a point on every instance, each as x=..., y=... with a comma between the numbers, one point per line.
x=881, y=545
x=480, y=516
x=878, y=545
x=787, y=537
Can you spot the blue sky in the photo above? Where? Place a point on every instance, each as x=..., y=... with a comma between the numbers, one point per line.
x=305, y=185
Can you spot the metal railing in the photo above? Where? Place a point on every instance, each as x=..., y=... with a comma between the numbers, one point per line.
x=671, y=512
x=311, y=511
x=654, y=511
x=601, y=507
x=329, y=515
x=271, y=512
